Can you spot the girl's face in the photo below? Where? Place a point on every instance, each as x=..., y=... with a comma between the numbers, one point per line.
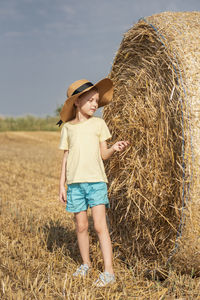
x=87, y=104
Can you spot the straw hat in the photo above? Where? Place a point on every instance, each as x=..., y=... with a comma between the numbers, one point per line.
x=105, y=89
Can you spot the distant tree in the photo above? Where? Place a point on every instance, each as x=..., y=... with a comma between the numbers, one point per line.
x=58, y=110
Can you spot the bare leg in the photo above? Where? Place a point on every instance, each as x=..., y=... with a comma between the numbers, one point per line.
x=99, y=218
x=82, y=236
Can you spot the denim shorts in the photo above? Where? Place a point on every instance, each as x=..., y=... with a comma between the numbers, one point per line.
x=82, y=195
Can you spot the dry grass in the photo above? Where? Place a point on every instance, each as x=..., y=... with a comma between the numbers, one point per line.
x=38, y=248
x=154, y=186
x=28, y=123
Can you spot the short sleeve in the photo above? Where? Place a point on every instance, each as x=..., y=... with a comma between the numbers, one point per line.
x=64, y=139
x=104, y=133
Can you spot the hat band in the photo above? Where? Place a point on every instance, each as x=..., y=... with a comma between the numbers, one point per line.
x=82, y=88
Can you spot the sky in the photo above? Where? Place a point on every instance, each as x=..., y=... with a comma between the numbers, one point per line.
x=45, y=45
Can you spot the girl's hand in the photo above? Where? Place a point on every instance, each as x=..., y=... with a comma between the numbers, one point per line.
x=62, y=195
x=120, y=146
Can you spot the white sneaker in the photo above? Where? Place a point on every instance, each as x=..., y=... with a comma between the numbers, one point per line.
x=81, y=271
x=104, y=279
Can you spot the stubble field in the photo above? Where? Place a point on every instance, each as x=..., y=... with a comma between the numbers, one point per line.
x=38, y=248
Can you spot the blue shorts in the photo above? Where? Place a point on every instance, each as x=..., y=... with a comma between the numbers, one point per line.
x=80, y=195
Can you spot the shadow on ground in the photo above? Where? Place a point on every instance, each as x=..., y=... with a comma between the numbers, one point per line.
x=57, y=236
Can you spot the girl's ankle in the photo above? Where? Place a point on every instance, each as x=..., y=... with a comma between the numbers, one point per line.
x=109, y=270
x=87, y=263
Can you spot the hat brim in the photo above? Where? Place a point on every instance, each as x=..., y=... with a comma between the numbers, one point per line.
x=105, y=89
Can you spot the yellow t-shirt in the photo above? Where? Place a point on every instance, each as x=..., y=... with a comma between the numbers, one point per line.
x=84, y=162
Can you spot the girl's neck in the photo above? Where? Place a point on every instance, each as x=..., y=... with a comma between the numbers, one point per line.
x=80, y=118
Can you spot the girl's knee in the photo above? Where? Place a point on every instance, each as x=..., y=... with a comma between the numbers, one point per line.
x=81, y=226
x=99, y=227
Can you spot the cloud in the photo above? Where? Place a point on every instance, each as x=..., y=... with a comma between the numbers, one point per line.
x=64, y=28
x=13, y=34
x=8, y=9
x=70, y=11
x=9, y=12
x=28, y=1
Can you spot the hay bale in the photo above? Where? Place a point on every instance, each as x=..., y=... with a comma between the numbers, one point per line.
x=154, y=185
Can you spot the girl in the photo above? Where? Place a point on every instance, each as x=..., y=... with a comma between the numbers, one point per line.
x=83, y=139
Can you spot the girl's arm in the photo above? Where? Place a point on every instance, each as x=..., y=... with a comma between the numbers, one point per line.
x=62, y=192
x=107, y=152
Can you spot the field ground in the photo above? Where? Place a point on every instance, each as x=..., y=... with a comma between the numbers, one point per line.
x=38, y=248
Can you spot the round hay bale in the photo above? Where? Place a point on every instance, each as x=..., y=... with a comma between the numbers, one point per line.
x=154, y=186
